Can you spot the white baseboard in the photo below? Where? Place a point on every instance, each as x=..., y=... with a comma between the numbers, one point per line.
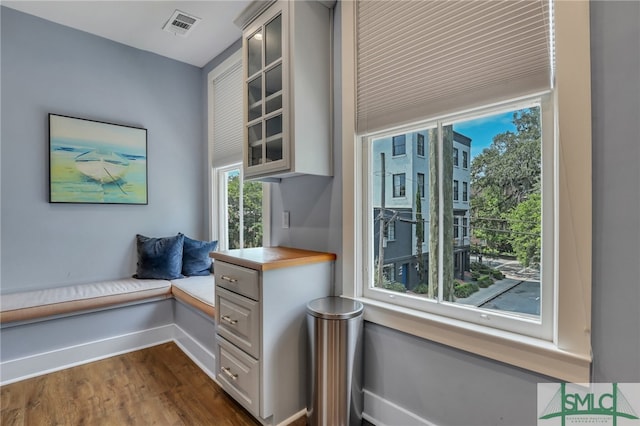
x=59, y=359
x=382, y=412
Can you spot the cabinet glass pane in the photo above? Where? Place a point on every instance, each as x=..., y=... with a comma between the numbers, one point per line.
x=255, y=98
x=274, y=126
x=274, y=150
x=273, y=40
x=255, y=144
x=254, y=53
x=255, y=155
x=273, y=89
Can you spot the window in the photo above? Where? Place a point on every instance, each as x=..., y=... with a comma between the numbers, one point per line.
x=239, y=210
x=455, y=157
x=465, y=227
x=421, y=184
x=390, y=230
x=465, y=191
x=456, y=190
x=556, y=345
x=399, y=185
x=420, y=145
x=240, y=222
x=456, y=234
x=465, y=159
x=399, y=145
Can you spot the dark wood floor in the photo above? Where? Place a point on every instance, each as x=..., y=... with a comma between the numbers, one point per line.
x=154, y=386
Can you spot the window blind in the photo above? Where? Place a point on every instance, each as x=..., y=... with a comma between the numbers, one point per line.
x=227, y=117
x=421, y=59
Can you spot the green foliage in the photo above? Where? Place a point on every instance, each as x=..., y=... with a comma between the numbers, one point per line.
x=462, y=290
x=399, y=287
x=497, y=274
x=526, y=224
x=421, y=289
x=503, y=176
x=485, y=281
x=251, y=213
x=475, y=275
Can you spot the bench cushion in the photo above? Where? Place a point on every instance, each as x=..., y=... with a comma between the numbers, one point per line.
x=197, y=291
x=60, y=300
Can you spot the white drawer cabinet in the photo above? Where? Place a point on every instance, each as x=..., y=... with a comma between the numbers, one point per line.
x=261, y=298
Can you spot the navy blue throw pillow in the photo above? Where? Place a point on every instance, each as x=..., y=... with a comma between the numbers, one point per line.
x=159, y=258
x=195, y=257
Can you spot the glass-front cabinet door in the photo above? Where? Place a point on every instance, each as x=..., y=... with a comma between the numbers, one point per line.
x=265, y=132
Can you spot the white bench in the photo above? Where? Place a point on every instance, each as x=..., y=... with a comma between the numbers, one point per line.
x=196, y=291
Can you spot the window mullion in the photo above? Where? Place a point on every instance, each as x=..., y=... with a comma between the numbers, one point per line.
x=440, y=217
x=241, y=210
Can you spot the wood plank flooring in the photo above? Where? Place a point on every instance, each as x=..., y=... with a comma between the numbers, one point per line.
x=153, y=386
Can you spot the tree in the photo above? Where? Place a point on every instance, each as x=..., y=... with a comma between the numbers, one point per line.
x=419, y=238
x=503, y=176
x=251, y=212
x=525, y=222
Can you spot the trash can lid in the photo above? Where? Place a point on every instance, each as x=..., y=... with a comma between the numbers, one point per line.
x=334, y=308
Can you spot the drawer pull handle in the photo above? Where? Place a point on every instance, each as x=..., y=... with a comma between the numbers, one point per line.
x=228, y=373
x=229, y=279
x=228, y=320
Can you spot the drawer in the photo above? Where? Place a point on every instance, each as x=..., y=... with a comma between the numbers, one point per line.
x=238, y=320
x=239, y=375
x=240, y=280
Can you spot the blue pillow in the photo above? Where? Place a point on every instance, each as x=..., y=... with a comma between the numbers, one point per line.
x=195, y=257
x=159, y=258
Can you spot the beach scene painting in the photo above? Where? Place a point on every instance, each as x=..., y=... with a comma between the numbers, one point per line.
x=95, y=162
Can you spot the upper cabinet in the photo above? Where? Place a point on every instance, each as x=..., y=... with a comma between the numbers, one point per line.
x=287, y=90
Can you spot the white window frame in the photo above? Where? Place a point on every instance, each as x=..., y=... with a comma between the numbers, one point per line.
x=216, y=188
x=567, y=355
x=221, y=206
x=522, y=324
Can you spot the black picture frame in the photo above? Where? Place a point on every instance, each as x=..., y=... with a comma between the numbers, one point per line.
x=95, y=162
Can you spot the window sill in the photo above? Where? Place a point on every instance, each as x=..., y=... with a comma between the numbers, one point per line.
x=533, y=354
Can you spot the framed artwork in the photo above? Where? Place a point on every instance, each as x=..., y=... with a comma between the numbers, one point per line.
x=95, y=162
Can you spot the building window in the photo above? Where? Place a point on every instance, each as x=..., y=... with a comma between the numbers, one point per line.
x=399, y=147
x=464, y=226
x=390, y=230
x=420, y=145
x=456, y=234
x=421, y=184
x=455, y=190
x=465, y=159
x=455, y=157
x=465, y=191
x=399, y=185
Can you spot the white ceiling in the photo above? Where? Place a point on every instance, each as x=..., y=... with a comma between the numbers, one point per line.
x=139, y=24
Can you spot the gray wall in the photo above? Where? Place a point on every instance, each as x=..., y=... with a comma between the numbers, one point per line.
x=51, y=68
x=615, y=69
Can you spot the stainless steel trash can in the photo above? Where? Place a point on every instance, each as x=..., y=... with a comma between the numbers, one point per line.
x=334, y=396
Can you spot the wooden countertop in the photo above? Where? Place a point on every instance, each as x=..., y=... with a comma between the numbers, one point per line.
x=266, y=258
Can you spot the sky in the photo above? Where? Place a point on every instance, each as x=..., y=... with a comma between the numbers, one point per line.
x=482, y=130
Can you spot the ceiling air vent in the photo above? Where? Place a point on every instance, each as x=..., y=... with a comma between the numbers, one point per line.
x=181, y=23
